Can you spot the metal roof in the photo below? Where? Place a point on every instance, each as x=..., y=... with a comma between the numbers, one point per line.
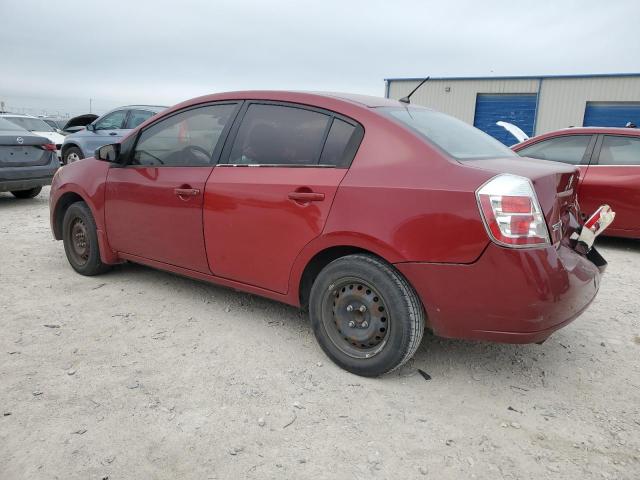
x=519, y=77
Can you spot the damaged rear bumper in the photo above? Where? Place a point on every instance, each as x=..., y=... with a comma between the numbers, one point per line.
x=507, y=295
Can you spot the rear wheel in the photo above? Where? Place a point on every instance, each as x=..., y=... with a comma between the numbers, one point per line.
x=31, y=193
x=365, y=315
x=72, y=154
x=80, y=238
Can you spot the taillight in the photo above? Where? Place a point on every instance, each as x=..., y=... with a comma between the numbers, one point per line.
x=49, y=147
x=511, y=212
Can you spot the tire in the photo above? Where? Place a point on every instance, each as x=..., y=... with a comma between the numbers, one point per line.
x=31, y=193
x=72, y=154
x=80, y=240
x=373, y=340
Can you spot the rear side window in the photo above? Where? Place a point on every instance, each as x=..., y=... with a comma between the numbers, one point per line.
x=619, y=151
x=457, y=138
x=279, y=135
x=566, y=149
x=336, y=149
x=186, y=139
x=113, y=121
x=136, y=117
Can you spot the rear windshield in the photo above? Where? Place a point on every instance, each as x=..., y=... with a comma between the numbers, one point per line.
x=455, y=137
x=8, y=126
x=31, y=124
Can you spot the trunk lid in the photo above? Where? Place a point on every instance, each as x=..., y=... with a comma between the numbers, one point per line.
x=555, y=185
x=19, y=149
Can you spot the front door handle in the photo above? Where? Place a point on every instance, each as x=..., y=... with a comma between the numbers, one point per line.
x=113, y=133
x=304, y=197
x=183, y=193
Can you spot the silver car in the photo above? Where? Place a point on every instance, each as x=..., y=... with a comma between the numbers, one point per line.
x=109, y=128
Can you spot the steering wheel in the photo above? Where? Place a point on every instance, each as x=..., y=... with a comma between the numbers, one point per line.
x=197, y=151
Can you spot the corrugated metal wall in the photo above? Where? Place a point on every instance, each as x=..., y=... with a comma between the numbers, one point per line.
x=561, y=104
x=563, y=101
x=460, y=101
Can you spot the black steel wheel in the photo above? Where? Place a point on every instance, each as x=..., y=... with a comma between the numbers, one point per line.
x=80, y=239
x=30, y=193
x=355, y=317
x=365, y=315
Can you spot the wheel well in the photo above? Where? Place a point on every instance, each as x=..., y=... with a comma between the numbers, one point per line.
x=317, y=263
x=67, y=147
x=63, y=204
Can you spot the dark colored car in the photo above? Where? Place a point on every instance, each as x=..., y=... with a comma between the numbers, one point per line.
x=27, y=161
x=609, y=163
x=109, y=128
x=382, y=218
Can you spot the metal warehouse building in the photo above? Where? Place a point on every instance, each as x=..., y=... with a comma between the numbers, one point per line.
x=535, y=104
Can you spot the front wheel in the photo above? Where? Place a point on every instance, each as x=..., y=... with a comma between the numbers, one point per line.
x=31, y=193
x=365, y=315
x=80, y=238
x=72, y=154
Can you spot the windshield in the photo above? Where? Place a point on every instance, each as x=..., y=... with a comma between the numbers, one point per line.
x=8, y=126
x=455, y=137
x=31, y=124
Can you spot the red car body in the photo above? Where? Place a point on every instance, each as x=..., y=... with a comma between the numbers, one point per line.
x=268, y=231
x=617, y=185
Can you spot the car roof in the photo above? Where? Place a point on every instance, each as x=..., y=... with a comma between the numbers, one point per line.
x=22, y=115
x=153, y=108
x=309, y=98
x=570, y=130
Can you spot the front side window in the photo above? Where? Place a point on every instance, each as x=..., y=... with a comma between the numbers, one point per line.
x=279, y=135
x=455, y=137
x=113, y=121
x=186, y=139
x=619, y=150
x=566, y=149
x=137, y=117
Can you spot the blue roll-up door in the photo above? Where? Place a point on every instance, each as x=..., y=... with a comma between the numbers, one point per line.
x=611, y=114
x=518, y=109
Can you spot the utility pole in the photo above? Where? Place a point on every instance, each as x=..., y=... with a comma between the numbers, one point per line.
x=90, y=100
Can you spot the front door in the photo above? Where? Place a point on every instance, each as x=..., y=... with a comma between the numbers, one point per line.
x=107, y=130
x=613, y=178
x=154, y=203
x=274, y=193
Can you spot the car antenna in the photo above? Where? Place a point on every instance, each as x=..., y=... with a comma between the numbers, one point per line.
x=407, y=99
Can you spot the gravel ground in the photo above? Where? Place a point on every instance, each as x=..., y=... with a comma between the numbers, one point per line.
x=141, y=374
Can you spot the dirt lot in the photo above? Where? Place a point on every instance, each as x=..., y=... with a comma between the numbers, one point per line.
x=141, y=374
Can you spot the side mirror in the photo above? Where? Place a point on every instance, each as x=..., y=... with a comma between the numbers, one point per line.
x=108, y=153
x=91, y=127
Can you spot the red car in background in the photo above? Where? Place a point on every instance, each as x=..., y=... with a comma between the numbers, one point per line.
x=383, y=218
x=609, y=163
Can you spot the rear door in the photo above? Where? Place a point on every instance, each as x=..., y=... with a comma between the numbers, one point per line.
x=573, y=149
x=283, y=166
x=137, y=117
x=614, y=179
x=153, y=204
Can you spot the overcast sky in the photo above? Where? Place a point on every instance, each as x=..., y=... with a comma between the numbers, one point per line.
x=55, y=55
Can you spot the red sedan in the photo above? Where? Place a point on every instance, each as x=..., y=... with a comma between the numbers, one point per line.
x=609, y=163
x=381, y=217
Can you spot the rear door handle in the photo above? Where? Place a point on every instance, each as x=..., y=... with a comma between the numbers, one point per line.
x=186, y=192
x=304, y=197
x=113, y=133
